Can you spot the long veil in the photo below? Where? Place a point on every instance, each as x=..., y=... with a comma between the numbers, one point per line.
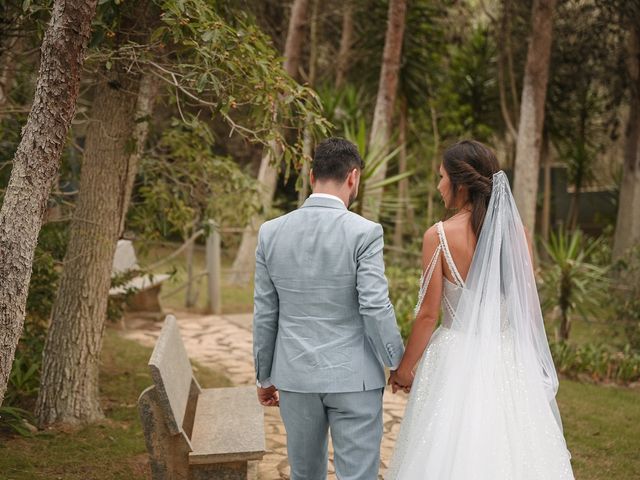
x=482, y=407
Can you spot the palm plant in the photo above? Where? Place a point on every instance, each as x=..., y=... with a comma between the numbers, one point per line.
x=374, y=160
x=571, y=281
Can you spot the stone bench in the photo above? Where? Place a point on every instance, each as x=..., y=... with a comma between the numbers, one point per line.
x=192, y=433
x=147, y=287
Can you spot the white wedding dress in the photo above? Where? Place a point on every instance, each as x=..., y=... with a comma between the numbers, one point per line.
x=482, y=405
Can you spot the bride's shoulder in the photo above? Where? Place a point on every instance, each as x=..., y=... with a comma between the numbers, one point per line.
x=430, y=239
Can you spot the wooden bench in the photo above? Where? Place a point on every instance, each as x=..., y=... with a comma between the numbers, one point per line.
x=192, y=433
x=147, y=287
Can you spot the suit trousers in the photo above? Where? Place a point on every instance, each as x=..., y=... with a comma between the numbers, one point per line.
x=355, y=422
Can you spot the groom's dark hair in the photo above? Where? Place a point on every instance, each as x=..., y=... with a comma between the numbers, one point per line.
x=334, y=158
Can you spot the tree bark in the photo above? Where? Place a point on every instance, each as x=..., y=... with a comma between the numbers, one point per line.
x=69, y=381
x=503, y=33
x=35, y=164
x=546, y=202
x=627, y=231
x=387, y=90
x=307, y=140
x=534, y=91
x=144, y=109
x=403, y=185
x=244, y=263
x=434, y=164
x=346, y=40
x=293, y=46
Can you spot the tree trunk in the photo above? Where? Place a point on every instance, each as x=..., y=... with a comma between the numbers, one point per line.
x=35, y=164
x=244, y=263
x=346, y=40
x=295, y=35
x=69, y=382
x=144, y=109
x=434, y=164
x=503, y=33
x=627, y=231
x=387, y=90
x=403, y=185
x=534, y=91
x=307, y=140
x=546, y=203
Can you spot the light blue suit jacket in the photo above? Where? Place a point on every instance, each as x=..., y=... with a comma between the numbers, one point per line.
x=323, y=322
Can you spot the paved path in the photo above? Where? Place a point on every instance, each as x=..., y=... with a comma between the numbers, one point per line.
x=224, y=343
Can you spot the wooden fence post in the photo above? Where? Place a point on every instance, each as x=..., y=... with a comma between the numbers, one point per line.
x=214, y=269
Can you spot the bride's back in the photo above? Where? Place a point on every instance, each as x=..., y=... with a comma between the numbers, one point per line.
x=462, y=244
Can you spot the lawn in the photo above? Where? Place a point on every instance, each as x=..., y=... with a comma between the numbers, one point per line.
x=601, y=428
x=111, y=450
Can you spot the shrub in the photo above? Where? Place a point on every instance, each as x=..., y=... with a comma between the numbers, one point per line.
x=599, y=363
x=571, y=280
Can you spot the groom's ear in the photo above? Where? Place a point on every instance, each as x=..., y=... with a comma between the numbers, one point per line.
x=312, y=178
x=352, y=179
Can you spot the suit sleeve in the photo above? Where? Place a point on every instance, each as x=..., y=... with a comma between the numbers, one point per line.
x=373, y=296
x=265, y=317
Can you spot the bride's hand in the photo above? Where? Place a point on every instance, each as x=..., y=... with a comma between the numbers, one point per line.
x=401, y=379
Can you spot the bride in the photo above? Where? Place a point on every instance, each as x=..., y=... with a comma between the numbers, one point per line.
x=482, y=404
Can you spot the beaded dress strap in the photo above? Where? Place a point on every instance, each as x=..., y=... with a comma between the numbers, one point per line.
x=447, y=255
x=425, y=279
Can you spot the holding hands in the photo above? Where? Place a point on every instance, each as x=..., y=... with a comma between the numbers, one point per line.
x=401, y=380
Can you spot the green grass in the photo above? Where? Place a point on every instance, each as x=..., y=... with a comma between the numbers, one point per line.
x=110, y=450
x=235, y=298
x=601, y=428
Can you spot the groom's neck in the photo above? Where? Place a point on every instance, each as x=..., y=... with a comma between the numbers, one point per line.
x=330, y=188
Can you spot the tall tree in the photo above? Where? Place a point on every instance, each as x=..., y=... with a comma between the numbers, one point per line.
x=627, y=231
x=385, y=100
x=36, y=162
x=534, y=91
x=346, y=41
x=244, y=262
x=69, y=380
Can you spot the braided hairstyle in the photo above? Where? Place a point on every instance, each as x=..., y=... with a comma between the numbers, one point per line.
x=471, y=164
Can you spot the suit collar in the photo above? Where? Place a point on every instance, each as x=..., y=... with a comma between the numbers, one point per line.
x=324, y=202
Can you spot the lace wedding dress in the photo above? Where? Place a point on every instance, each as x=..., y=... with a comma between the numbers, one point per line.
x=482, y=405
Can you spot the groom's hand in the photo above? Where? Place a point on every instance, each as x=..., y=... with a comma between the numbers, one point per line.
x=268, y=397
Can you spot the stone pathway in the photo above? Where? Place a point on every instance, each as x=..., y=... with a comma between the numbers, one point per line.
x=224, y=343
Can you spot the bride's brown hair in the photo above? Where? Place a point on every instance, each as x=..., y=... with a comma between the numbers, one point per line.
x=472, y=164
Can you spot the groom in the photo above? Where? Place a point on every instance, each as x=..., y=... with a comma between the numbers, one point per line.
x=323, y=325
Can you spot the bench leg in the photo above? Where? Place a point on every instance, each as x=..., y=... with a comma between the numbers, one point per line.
x=219, y=471
x=147, y=301
x=168, y=454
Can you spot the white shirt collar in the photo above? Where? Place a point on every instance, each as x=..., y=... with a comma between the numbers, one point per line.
x=326, y=195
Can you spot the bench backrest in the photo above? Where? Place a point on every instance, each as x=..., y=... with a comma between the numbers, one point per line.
x=172, y=375
x=125, y=257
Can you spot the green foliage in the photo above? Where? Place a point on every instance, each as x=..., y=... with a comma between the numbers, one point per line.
x=570, y=280
x=235, y=72
x=597, y=362
x=183, y=183
x=585, y=85
x=403, y=290
x=468, y=98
